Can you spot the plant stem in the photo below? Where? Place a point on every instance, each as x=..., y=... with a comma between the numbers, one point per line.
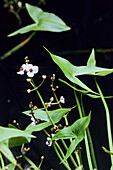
x=88, y=152
x=58, y=154
x=2, y=161
x=71, y=157
x=107, y=119
x=39, y=95
x=30, y=162
x=89, y=138
x=86, y=141
x=7, y=54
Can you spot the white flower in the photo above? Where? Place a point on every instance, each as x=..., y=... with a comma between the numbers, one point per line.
x=33, y=121
x=62, y=99
x=22, y=69
x=32, y=70
x=49, y=142
x=29, y=68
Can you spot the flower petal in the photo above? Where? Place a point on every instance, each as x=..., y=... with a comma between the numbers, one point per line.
x=35, y=69
x=30, y=74
x=21, y=72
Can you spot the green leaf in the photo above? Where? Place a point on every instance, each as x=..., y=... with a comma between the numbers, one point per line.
x=17, y=141
x=12, y=126
x=38, y=127
x=42, y=115
x=85, y=92
x=76, y=131
x=56, y=116
x=34, y=12
x=91, y=61
x=44, y=21
x=7, y=153
x=71, y=71
x=7, y=133
x=11, y=166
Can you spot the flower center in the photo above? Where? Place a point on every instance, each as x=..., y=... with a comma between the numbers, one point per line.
x=30, y=69
x=21, y=68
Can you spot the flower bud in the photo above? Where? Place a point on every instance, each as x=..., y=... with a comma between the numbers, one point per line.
x=28, y=80
x=29, y=90
x=42, y=157
x=44, y=77
x=52, y=99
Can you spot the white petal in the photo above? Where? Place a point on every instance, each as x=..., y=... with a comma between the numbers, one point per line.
x=21, y=72
x=30, y=74
x=35, y=69
x=24, y=66
x=29, y=66
x=48, y=138
x=47, y=143
x=50, y=143
x=32, y=119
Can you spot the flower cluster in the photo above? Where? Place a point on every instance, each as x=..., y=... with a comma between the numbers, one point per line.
x=49, y=142
x=62, y=99
x=29, y=69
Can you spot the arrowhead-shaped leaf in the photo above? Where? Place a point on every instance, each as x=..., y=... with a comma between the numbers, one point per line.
x=8, y=133
x=56, y=116
x=76, y=131
x=71, y=71
x=44, y=21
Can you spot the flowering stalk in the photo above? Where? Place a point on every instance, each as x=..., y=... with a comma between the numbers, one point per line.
x=66, y=121
x=65, y=117
x=44, y=105
x=107, y=119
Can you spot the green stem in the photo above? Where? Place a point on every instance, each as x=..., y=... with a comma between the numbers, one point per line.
x=58, y=154
x=65, y=117
x=71, y=157
x=107, y=119
x=44, y=105
x=88, y=152
x=7, y=54
x=86, y=141
x=30, y=162
x=89, y=138
x=2, y=161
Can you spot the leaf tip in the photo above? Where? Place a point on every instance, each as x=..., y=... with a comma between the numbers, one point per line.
x=46, y=49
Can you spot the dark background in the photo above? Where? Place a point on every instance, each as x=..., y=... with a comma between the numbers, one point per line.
x=91, y=25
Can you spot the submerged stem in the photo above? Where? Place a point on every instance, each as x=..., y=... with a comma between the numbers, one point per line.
x=7, y=54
